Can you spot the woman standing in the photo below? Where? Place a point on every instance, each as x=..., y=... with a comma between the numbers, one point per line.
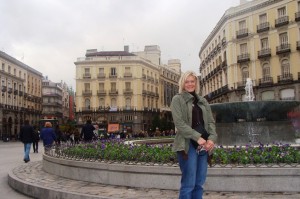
x=195, y=135
x=48, y=135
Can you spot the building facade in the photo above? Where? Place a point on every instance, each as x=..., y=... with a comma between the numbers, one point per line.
x=21, y=95
x=260, y=40
x=119, y=90
x=52, y=100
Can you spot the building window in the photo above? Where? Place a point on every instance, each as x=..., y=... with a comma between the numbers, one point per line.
x=86, y=86
x=264, y=43
x=101, y=86
x=113, y=102
x=127, y=85
x=3, y=66
x=266, y=70
x=285, y=67
x=101, y=102
x=86, y=71
x=113, y=71
x=283, y=38
x=101, y=70
x=87, y=103
x=243, y=48
x=245, y=73
x=242, y=25
x=127, y=103
x=281, y=12
x=9, y=69
x=263, y=18
x=127, y=70
x=113, y=86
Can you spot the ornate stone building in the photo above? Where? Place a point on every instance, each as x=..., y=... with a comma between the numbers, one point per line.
x=21, y=95
x=258, y=39
x=122, y=91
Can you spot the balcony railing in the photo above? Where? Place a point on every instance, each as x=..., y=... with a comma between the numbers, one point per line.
x=127, y=75
x=297, y=16
x=283, y=48
x=101, y=76
x=20, y=93
x=86, y=75
x=242, y=33
x=127, y=91
x=101, y=92
x=113, y=92
x=113, y=75
x=87, y=92
x=285, y=78
x=9, y=90
x=16, y=92
x=281, y=21
x=243, y=58
x=263, y=27
x=265, y=81
x=3, y=89
x=298, y=45
x=264, y=53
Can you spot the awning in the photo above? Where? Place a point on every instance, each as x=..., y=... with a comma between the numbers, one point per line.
x=113, y=128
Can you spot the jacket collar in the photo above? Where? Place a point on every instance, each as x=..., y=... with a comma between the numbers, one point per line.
x=186, y=96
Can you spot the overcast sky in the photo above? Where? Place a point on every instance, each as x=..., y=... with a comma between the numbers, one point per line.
x=49, y=35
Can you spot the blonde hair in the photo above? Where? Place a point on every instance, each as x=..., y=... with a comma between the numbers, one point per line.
x=48, y=124
x=183, y=78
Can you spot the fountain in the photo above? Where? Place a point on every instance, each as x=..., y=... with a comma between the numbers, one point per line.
x=254, y=122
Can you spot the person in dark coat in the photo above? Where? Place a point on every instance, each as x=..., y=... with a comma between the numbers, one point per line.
x=27, y=137
x=48, y=135
x=36, y=140
x=87, y=131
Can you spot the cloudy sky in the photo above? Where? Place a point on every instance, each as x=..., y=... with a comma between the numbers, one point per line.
x=49, y=35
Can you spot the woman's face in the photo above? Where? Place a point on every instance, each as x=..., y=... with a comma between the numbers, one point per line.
x=190, y=84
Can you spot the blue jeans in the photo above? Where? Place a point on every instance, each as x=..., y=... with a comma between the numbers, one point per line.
x=194, y=170
x=27, y=151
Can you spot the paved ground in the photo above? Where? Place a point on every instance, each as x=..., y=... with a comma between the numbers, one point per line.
x=11, y=161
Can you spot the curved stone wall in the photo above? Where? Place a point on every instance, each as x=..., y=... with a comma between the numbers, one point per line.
x=266, y=179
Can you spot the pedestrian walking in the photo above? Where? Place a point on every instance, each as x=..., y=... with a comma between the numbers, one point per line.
x=26, y=137
x=48, y=135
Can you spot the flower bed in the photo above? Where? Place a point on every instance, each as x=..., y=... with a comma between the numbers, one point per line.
x=119, y=151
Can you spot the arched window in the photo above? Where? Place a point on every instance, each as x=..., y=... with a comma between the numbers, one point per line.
x=128, y=103
x=245, y=73
x=101, y=102
x=285, y=68
x=266, y=72
x=87, y=103
x=113, y=102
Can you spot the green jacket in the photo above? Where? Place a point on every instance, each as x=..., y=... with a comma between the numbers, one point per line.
x=181, y=107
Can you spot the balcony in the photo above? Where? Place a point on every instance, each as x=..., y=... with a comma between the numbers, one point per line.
x=265, y=81
x=243, y=58
x=87, y=93
x=113, y=92
x=285, y=78
x=87, y=76
x=263, y=27
x=283, y=48
x=10, y=90
x=224, y=41
x=20, y=93
x=113, y=75
x=3, y=89
x=297, y=16
x=101, y=76
x=127, y=91
x=101, y=92
x=281, y=21
x=16, y=92
x=127, y=75
x=264, y=53
x=241, y=85
x=242, y=33
x=298, y=45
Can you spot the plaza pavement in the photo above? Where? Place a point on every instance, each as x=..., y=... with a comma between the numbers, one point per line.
x=11, y=154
